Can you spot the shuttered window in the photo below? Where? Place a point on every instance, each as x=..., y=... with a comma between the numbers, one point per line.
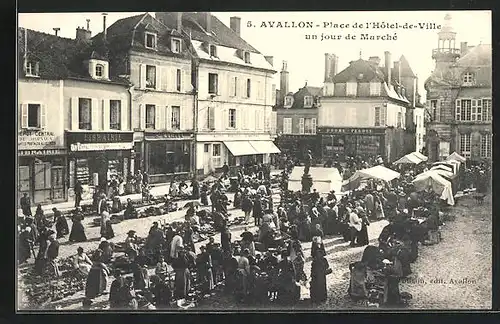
x=176, y=117
x=287, y=125
x=301, y=125
x=150, y=116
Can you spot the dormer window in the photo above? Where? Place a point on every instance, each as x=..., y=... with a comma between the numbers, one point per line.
x=468, y=79
x=288, y=101
x=247, y=57
x=176, y=45
x=351, y=88
x=99, y=70
x=308, y=101
x=32, y=69
x=375, y=88
x=150, y=40
x=212, y=50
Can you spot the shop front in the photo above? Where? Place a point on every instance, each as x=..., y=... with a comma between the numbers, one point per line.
x=342, y=142
x=95, y=158
x=41, y=167
x=167, y=155
x=297, y=145
x=249, y=152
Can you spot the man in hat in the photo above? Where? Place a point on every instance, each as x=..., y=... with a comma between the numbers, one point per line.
x=26, y=205
x=131, y=243
x=52, y=253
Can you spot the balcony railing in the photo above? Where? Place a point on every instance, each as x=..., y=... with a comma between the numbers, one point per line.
x=441, y=51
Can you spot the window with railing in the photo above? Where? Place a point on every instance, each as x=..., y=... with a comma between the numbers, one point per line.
x=150, y=116
x=84, y=113
x=176, y=117
x=115, y=114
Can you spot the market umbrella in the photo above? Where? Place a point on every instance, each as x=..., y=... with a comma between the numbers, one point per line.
x=194, y=203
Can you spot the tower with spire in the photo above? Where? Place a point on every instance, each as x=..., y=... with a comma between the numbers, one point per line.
x=446, y=53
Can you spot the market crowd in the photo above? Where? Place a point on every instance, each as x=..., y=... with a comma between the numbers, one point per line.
x=260, y=266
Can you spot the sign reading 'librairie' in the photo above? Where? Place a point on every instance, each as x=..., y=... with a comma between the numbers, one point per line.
x=35, y=140
x=101, y=137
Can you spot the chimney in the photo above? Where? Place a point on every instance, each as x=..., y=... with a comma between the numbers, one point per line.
x=88, y=24
x=104, y=29
x=375, y=60
x=331, y=62
x=207, y=21
x=56, y=30
x=284, y=80
x=178, y=21
x=82, y=34
x=397, y=69
x=463, y=48
x=388, y=67
x=269, y=59
x=235, y=23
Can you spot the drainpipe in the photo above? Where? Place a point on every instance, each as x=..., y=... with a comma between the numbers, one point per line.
x=132, y=155
x=196, y=65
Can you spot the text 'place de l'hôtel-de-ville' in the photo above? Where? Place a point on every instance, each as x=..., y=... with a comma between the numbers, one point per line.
x=179, y=94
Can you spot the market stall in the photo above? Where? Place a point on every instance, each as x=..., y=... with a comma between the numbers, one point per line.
x=412, y=158
x=378, y=172
x=324, y=179
x=432, y=180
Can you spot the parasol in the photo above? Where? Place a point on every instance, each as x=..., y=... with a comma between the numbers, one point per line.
x=193, y=204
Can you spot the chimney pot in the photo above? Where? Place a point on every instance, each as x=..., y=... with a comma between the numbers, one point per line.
x=88, y=24
x=82, y=34
x=374, y=59
x=56, y=30
x=235, y=24
x=207, y=20
x=104, y=29
x=463, y=48
x=179, y=21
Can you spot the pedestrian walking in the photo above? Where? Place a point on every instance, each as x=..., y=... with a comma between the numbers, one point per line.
x=78, y=193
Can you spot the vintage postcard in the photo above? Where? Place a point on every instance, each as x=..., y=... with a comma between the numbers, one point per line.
x=244, y=161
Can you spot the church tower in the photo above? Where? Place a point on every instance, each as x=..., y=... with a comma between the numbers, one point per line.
x=446, y=53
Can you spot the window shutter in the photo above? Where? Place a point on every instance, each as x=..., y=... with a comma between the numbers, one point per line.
x=186, y=81
x=157, y=117
x=94, y=106
x=106, y=114
x=172, y=78
x=458, y=109
x=164, y=78
x=24, y=116
x=124, y=109
x=142, y=116
x=313, y=125
x=438, y=110
x=166, y=117
x=211, y=118
x=74, y=113
x=37, y=68
x=182, y=118
x=243, y=88
x=158, y=78
x=142, y=76
x=301, y=125
x=43, y=116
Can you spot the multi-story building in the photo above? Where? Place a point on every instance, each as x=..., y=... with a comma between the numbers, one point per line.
x=363, y=112
x=156, y=59
x=296, y=116
x=71, y=110
x=459, y=99
x=233, y=119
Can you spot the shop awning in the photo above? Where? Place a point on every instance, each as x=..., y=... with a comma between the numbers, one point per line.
x=239, y=148
x=264, y=147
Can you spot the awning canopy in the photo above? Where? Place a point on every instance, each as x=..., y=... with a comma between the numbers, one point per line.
x=265, y=147
x=457, y=157
x=377, y=172
x=409, y=159
x=239, y=148
x=434, y=181
x=420, y=156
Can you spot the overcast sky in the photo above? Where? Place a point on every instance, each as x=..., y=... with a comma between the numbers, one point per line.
x=306, y=57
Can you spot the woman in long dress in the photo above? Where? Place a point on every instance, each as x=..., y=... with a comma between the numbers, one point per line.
x=62, y=228
x=182, y=275
x=82, y=262
x=319, y=269
x=97, y=279
x=363, y=234
x=77, y=230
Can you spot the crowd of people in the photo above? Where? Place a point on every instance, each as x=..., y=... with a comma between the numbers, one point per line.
x=257, y=267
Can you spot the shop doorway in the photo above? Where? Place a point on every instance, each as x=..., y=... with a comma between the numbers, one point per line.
x=207, y=159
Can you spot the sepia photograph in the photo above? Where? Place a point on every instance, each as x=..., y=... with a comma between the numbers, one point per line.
x=250, y=161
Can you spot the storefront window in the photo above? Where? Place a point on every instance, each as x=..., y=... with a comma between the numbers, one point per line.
x=168, y=157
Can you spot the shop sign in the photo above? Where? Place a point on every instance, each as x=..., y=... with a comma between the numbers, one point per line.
x=99, y=137
x=35, y=140
x=354, y=131
x=82, y=147
x=160, y=136
x=41, y=152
